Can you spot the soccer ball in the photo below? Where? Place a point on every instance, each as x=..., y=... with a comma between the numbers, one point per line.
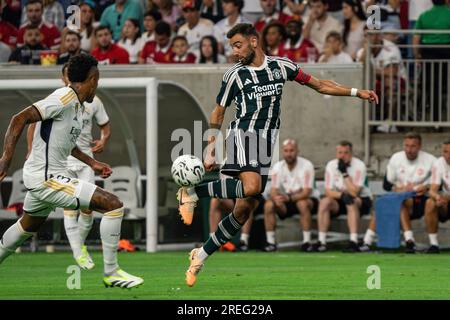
x=187, y=170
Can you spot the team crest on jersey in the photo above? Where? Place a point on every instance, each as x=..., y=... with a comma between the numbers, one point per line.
x=74, y=182
x=277, y=74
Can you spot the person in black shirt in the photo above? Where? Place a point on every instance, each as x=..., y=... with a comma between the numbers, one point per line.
x=30, y=52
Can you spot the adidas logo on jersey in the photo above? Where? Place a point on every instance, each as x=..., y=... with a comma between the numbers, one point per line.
x=248, y=81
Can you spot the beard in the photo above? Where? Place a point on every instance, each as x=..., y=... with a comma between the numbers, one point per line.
x=249, y=58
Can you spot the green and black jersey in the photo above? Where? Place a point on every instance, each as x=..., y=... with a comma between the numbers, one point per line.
x=257, y=93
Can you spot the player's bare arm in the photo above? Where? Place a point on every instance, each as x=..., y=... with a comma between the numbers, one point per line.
x=333, y=194
x=105, y=133
x=30, y=135
x=15, y=128
x=301, y=194
x=215, y=122
x=335, y=89
x=351, y=187
x=103, y=169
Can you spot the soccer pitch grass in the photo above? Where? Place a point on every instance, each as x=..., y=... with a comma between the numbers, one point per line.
x=283, y=275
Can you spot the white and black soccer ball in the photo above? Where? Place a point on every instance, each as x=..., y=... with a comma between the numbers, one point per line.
x=188, y=170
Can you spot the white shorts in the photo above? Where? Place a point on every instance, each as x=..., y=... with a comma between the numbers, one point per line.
x=84, y=173
x=58, y=192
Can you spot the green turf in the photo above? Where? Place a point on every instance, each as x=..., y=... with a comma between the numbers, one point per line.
x=253, y=275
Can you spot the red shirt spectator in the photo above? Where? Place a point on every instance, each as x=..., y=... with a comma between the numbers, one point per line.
x=113, y=55
x=277, y=16
x=153, y=53
x=8, y=33
x=187, y=58
x=51, y=37
x=300, y=52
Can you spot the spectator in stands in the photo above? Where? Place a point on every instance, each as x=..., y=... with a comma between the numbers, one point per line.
x=212, y=10
x=30, y=51
x=151, y=18
x=390, y=19
x=292, y=193
x=115, y=15
x=320, y=23
x=407, y=170
x=270, y=13
x=296, y=47
x=335, y=9
x=170, y=12
x=437, y=205
x=12, y=11
x=72, y=45
x=195, y=27
x=295, y=8
x=180, y=49
x=158, y=51
x=232, y=10
x=209, y=51
x=346, y=192
x=8, y=37
x=415, y=9
x=87, y=19
x=332, y=51
x=354, y=23
x=130, y=39
x=272, y=38
x=108, y=52
x=50, y=35
x=386, y=61
x=438, y=17
x=53, y=14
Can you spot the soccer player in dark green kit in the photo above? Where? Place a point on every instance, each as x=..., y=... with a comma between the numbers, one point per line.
x=255, y=84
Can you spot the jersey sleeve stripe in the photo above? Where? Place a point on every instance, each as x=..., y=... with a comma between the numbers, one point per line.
x=40, y=111
x=66, y=95
x=68, y=99
x=223, y=102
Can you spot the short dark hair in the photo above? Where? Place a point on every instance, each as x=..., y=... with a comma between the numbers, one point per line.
x=100, y=28
x=346, y=143
x=180, y=38
x=413, y=135
x=79, y=67
x=163, y=28
x=446, y=142
x=334, y=34
x=72, y=32
x=325, y=2
x=237, y=3
x=64, y=67
x=153, y=13
x=246, y=29
x=438, y=2
x=35, y=1
x=31, y=27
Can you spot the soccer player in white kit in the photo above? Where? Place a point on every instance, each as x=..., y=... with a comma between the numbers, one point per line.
x=407, y=170
x=45, y=174
x=78, y=226
x=437, y=205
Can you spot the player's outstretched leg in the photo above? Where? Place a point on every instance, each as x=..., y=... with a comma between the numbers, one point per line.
x=76, y=232
x=110, y=225
x=24, y=228
x=222, y=189
x=228, y=227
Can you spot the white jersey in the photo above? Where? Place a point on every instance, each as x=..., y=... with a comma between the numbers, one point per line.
x=357, y=172
x=55, y=138
x=290, y=181
x=92, y=111
x=440, y=174
x=401, y=171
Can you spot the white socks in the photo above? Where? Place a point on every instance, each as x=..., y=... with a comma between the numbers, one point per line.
x=72, y=231
x=245, y=237
x=369, y=237
x=408, y=235
x=433, y=239
x=202, y=255
x=270, y=235
x=354, y=237
x=110, y=235
x=323, y=237
x=85, y=222
x=12, y=239
x=306, y=236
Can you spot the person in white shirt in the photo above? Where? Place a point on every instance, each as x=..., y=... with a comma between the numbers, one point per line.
x=195, y=27
x=354, y=23
x=131, y=39
x=332, y=51
x=232, y=11
x=437, y=205
x=319, y=24
x=346, y=192
x=407, y=170
x=151, y=17
x=292, y=193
